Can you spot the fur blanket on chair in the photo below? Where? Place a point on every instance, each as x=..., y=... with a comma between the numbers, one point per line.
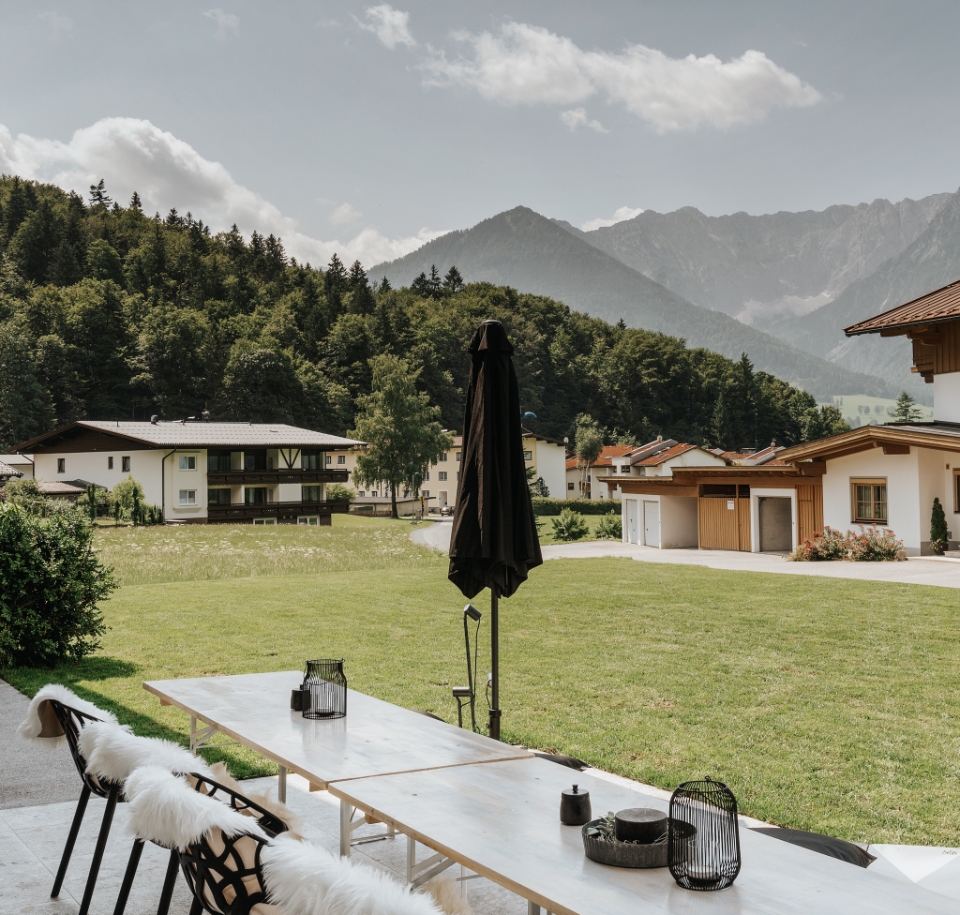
x=112, y=752
x=41, y=725
x=303, y=879
x=219, y=773
x=166, y=810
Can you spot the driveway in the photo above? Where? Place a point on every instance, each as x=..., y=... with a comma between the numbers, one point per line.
x=941, y=572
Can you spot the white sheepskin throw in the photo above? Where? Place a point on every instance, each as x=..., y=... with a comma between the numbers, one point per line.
x=112, y=752
x=41, y=725
x=166, y=810
x=303, y=879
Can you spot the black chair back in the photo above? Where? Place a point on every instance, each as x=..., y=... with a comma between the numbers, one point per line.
x=73, y=721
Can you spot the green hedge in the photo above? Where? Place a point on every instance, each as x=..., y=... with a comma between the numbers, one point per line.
x=543, y=506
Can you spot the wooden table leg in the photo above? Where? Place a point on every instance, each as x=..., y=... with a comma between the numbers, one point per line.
x=346, y=833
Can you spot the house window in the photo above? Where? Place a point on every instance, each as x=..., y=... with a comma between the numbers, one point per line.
x=266, y=522
x=571, y=486
x=442, y=476
x=312, y=520
x=457, y=457
x=443, y=457
x=426, y=476
x=956, y=490
x=125, y=464
x=311, y=494
x=218, y=463
x=187, y=462
x=310, y=460
x=341, y=459
x=109, y=463
x=188, y=497
x=528, y=455
x=373, y=494
x=425, y=493
x=255, y=495
x=61, y=465
x=218, y=497
x=255, y=460
x=869, y=501
x=329, y=459
x=360, y=492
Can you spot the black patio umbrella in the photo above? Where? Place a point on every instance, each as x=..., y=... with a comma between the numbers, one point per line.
x=494, y=541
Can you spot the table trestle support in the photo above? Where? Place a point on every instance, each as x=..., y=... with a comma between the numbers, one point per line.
x=200, y=737
x=348, y=825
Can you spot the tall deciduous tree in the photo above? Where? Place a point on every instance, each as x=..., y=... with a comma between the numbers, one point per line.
x=401, y=428
x=588, y=444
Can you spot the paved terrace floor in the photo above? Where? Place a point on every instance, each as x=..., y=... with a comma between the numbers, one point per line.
x=942, y=572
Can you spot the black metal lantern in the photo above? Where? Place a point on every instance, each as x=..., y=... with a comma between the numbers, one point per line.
x=704, y=836
x=325, y=689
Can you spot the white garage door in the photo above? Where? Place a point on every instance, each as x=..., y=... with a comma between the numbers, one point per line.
x=651, y=523
x=631, y=520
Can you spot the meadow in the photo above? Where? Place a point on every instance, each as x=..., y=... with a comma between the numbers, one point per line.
x=827, y=705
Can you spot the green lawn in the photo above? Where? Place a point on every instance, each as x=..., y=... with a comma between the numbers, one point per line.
x=825, y=704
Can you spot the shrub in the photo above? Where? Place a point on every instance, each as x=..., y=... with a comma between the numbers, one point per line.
x=102, y=498
x=542, y=506
x=873, y=544
x=127, y=496
x=50, y=585
x=610, y=527
x=829, y=544
x=338, y=493
x=569, y=526
x=26, y=494
x=939, y=535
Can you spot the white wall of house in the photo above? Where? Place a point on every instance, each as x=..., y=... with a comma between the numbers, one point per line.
x=550, y=463
x=902, y=473
x=179, y=481
x=678, y=522
x=946, y=397
x=94, y=468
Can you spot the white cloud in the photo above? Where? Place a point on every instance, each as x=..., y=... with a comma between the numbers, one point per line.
x=619, y=215
x=390, y=25
x=526, y=64
x=345, y=213
x=59, y=24
x=135, y=155
x=226, y=22
x=577, y=117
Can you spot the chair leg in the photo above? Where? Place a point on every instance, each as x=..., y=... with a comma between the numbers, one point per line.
x=128, y=876
x=169, y=882
x=197, y=907
x=98, y=852
x=71, y=840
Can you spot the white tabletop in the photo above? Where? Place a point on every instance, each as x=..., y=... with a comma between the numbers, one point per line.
x=502, y=820
x=375, y=737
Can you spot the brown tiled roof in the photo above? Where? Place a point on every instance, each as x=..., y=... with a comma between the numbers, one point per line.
x=206, y=435
x=61, y=487
x=665, y=455
x=606, y=456
x=7, y=471
x=933, y=308
x=938, y=435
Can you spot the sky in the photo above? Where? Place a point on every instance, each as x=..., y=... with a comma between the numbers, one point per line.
x=370, y=128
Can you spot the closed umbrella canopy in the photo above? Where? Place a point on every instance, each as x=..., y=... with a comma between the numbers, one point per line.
x=494, y=543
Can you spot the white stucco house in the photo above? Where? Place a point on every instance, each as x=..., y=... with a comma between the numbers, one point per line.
x=199, y=472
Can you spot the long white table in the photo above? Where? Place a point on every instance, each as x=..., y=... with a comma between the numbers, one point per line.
x=375, y=737
x=502, y=820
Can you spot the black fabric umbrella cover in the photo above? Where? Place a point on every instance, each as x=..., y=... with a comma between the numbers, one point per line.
x=494, y=543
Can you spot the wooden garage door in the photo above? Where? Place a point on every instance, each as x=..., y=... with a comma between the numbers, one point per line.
x=724, y=517
x=809, y=511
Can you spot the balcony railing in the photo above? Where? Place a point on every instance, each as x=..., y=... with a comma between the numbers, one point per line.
x=272, y=477
x=282, y=511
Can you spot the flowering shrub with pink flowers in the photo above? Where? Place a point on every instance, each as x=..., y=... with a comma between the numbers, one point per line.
x=872, y=544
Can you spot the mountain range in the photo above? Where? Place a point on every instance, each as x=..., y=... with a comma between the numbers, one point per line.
x=779, y=287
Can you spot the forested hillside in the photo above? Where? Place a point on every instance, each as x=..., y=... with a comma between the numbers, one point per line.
x=108, y=313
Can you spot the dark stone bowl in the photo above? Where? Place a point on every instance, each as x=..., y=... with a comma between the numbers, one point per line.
x=623, y=854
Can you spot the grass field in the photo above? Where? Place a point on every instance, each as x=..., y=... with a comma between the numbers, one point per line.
x=825, y=704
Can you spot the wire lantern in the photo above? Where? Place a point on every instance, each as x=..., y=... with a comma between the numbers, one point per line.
x=325, y=689
x=704, y=836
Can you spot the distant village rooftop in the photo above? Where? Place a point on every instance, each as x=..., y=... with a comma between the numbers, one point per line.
x=194, y=434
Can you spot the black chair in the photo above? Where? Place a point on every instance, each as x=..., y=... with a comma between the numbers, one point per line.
x=73, y=721
x=267, y=820
x=824, y=845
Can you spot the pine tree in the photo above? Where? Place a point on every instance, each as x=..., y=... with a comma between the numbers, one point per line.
x=99, y=196
x=938, y=528
x=384, y=286
x=436, y=284
x=135, y=203
x=906, y=410
x=453, y=282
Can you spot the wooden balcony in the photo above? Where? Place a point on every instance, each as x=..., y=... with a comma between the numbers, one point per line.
x=272, y=477
x=284, y=512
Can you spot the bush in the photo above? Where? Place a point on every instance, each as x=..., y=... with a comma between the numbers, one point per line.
x=829, y=544
x=50, y=585
x=610, y=527
x=338, y=493
x=569, y=526
x=26, y=494
x=939, y=535
x=873, y=544
x=102, y=498
x=128, y=498
x=543, y=506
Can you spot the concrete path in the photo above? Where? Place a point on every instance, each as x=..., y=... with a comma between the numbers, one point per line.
x=29, y=774
x=941, y=572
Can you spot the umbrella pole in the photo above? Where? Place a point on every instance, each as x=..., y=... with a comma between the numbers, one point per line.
x=495, y=667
